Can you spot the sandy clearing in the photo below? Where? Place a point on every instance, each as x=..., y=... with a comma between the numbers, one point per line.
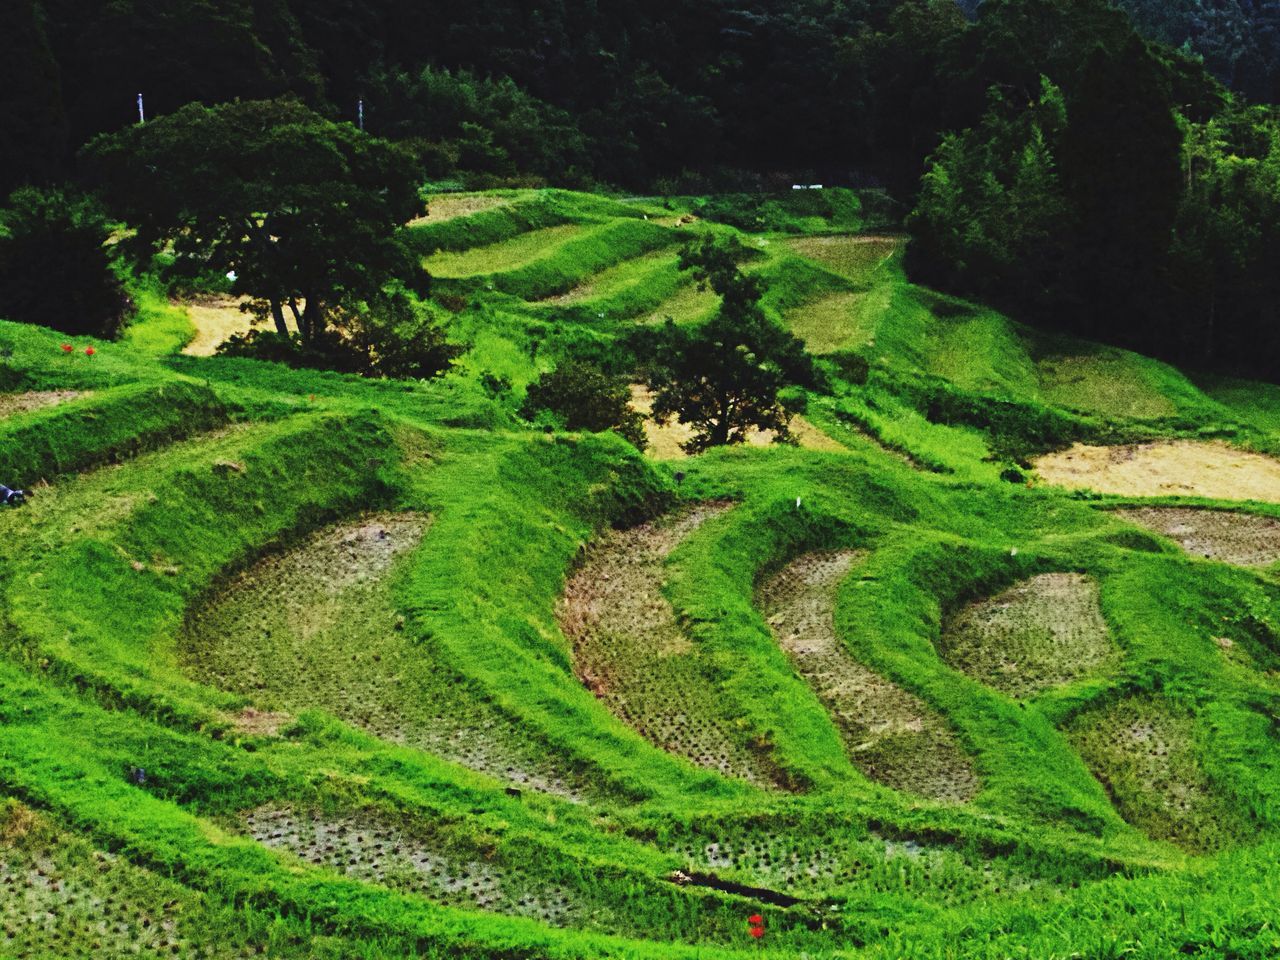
x=1172, y=468
x=450, y=206
x=1242, y=539
x=215, y=319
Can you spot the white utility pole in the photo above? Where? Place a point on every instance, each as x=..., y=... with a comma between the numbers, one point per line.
x=142, y=115
x=360, y=113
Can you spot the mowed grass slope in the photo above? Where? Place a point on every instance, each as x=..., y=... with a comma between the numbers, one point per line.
x=297, y=664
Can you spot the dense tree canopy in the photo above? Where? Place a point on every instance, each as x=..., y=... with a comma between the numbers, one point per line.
x=302, y=212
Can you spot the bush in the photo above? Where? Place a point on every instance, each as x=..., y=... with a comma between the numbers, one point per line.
x=584, y=397
x=54, y=266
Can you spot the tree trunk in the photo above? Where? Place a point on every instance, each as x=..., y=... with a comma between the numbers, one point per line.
x=277, y=314
x=297, y=318
x=312, y=318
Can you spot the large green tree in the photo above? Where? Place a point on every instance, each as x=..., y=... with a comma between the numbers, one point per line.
x=304, y=213
x=727, y=376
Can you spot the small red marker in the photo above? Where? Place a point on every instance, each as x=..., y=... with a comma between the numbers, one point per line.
x=755, y=920
x=756, y=932
x=89, y=351
x=67, y=348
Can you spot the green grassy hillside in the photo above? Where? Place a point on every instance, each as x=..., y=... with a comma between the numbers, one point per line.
x=297, y=664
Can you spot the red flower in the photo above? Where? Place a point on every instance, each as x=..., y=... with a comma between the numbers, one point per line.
x=67, y=348
x=755, y=920
x=756, y=932
x=89, y=351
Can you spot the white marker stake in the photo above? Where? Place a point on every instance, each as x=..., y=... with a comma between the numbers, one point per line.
x=142, y=114
x=360, y=113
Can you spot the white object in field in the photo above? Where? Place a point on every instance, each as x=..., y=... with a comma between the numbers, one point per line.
x=797, y=503
x=231, y=275
x=1013, y=552
x=360, y=112
x=815, y=186
x=142, y=114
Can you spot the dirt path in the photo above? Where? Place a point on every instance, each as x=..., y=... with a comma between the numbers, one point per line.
x=632, y=653
x=12, y=404
x=317, y=627
x=1239, y=538
x=1175, y=468
x=1040, y=633
x=890, y=734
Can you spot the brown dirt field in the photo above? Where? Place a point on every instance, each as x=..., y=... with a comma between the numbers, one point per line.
x=1242, y=539
x=1174, y=468
x=665, y=440
x=1040, y=633
x=632, y=653
x=15, y=403
x=215, y=319
x=889, y=733
x=450, y=206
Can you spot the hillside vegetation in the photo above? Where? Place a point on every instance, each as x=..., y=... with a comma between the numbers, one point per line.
x=302, y=664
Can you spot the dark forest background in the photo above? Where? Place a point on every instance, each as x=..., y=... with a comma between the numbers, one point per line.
x=1111, y=170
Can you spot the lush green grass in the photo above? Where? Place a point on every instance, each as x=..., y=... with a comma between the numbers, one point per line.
x=1125, y=806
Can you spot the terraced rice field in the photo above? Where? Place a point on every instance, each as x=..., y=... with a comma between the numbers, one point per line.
x=889, y=733
x=296, y=664
x=1242, y=539
x=507, y=255
x=1143, y=749
x=319, y=626
x=1039, y=634
x=631, y=652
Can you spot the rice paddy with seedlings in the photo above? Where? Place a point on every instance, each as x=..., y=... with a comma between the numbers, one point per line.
x=1144, y=749
x=318, y=626
x=889, y=733
x=301, y=664
x=1040, y=633
x=1243, y=539
x=631, y=652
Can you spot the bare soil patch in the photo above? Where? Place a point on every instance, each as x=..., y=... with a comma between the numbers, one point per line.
x=318, y=627
x=15, y=403
x=1242, y=539
x=889, y=733
x=1173, y=468
x=631, y=652
x=1040, y=633
x=1141, y=749
x=216, y=319
x=449, y=206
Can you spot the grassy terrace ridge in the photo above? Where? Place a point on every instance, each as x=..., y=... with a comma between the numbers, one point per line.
x=921, y=694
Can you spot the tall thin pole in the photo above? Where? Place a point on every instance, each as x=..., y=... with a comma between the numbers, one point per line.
x=360, y=113
x=142, y=114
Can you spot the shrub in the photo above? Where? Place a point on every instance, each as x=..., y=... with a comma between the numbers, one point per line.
x=584, y=397
x=54, y=266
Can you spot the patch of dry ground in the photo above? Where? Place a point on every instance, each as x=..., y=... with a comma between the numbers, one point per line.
x=1243, y=539
x=448, y=206
x=15, y=403
x=632, y=653
x=1040, y=633
x=1173, y=468
x=215, y=319
x=317, y=627
x=889, y=733
x=665, y=439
